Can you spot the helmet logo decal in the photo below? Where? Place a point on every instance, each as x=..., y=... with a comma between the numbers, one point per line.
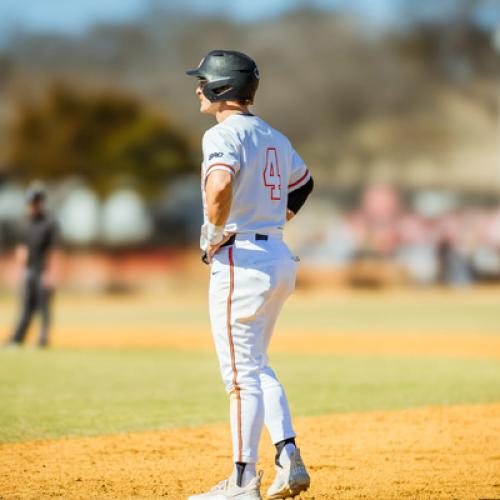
x=256, y=72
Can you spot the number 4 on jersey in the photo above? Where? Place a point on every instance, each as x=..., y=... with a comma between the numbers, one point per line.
x=272, y=176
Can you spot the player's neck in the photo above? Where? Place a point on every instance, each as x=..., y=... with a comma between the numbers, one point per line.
x=228, y=109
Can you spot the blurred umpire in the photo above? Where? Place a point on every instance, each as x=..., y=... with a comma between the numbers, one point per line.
x=35, y=255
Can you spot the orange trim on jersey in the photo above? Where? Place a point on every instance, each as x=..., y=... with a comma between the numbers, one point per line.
x=220, y=165
x=300, y=180
x=236, y=387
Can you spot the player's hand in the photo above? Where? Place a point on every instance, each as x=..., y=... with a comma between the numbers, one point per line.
x=48, y=280
x=289, y=214
x=212, y=249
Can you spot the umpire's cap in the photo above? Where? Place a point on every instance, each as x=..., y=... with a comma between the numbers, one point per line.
x=36, y=192
x=229, y=76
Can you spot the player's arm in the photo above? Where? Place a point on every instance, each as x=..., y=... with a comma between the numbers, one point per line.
x=21, y=255
x=52, y=258
x=221, y=159
x=298, y=197
x=300, y=185
x=52, y=264
x=21, y=260
x=218, y=198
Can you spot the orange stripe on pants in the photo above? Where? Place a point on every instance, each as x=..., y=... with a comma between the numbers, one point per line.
x=236, y=387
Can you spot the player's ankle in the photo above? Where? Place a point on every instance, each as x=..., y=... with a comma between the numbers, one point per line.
x=284, y=450
x=244, y=473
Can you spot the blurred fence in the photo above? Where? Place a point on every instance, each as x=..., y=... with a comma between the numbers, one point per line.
x=382, y=238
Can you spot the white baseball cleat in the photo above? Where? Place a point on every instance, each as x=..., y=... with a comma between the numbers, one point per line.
x=228, y=489
x=291, y=479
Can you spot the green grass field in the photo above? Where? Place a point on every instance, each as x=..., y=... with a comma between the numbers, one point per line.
x=91, y=392
x=419, y=310
x=68, y=392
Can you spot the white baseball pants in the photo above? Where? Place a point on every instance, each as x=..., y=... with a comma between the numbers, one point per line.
x=249, y=284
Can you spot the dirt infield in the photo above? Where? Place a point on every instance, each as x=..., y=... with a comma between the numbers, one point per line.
x=449, y=452
x=429, y=344
x=466, y=345
x=432, y=323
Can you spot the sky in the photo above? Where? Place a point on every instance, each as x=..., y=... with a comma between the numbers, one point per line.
x=75, y=16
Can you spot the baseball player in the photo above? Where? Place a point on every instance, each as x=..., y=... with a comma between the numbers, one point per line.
x=35, y=256
x=252, y=182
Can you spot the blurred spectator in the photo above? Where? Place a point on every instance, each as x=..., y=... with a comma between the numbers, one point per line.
x=36, y=257
x=436, y=242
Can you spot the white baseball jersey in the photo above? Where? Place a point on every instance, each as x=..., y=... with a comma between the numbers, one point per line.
x=265, y=168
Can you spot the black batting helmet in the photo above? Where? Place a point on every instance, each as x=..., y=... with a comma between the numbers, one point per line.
x=229, y=75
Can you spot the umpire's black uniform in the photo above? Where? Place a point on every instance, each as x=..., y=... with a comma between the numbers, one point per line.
x=39, y=238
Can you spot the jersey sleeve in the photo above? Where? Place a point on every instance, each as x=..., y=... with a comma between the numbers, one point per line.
x=300, y=174
x=220, y=152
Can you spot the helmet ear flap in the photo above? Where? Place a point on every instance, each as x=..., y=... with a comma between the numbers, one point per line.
x=218, y=90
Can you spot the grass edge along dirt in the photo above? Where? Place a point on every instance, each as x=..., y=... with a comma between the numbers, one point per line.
x=68, y=392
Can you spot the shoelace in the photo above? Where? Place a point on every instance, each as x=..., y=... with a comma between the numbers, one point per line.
x=220, y=486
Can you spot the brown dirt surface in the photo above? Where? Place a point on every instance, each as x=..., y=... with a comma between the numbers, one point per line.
x=445, y=452
x=86, y=320
x=413, y=344
x=449, y=345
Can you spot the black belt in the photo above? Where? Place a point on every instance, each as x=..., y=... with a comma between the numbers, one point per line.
x=258, y=237
x=232, y=239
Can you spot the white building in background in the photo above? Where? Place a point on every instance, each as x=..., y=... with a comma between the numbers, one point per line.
x=12, y=209
x=125, y=219
x=12, y=203
x=78, y=216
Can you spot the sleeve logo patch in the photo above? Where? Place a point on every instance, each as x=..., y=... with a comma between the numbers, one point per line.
x=215, y=155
